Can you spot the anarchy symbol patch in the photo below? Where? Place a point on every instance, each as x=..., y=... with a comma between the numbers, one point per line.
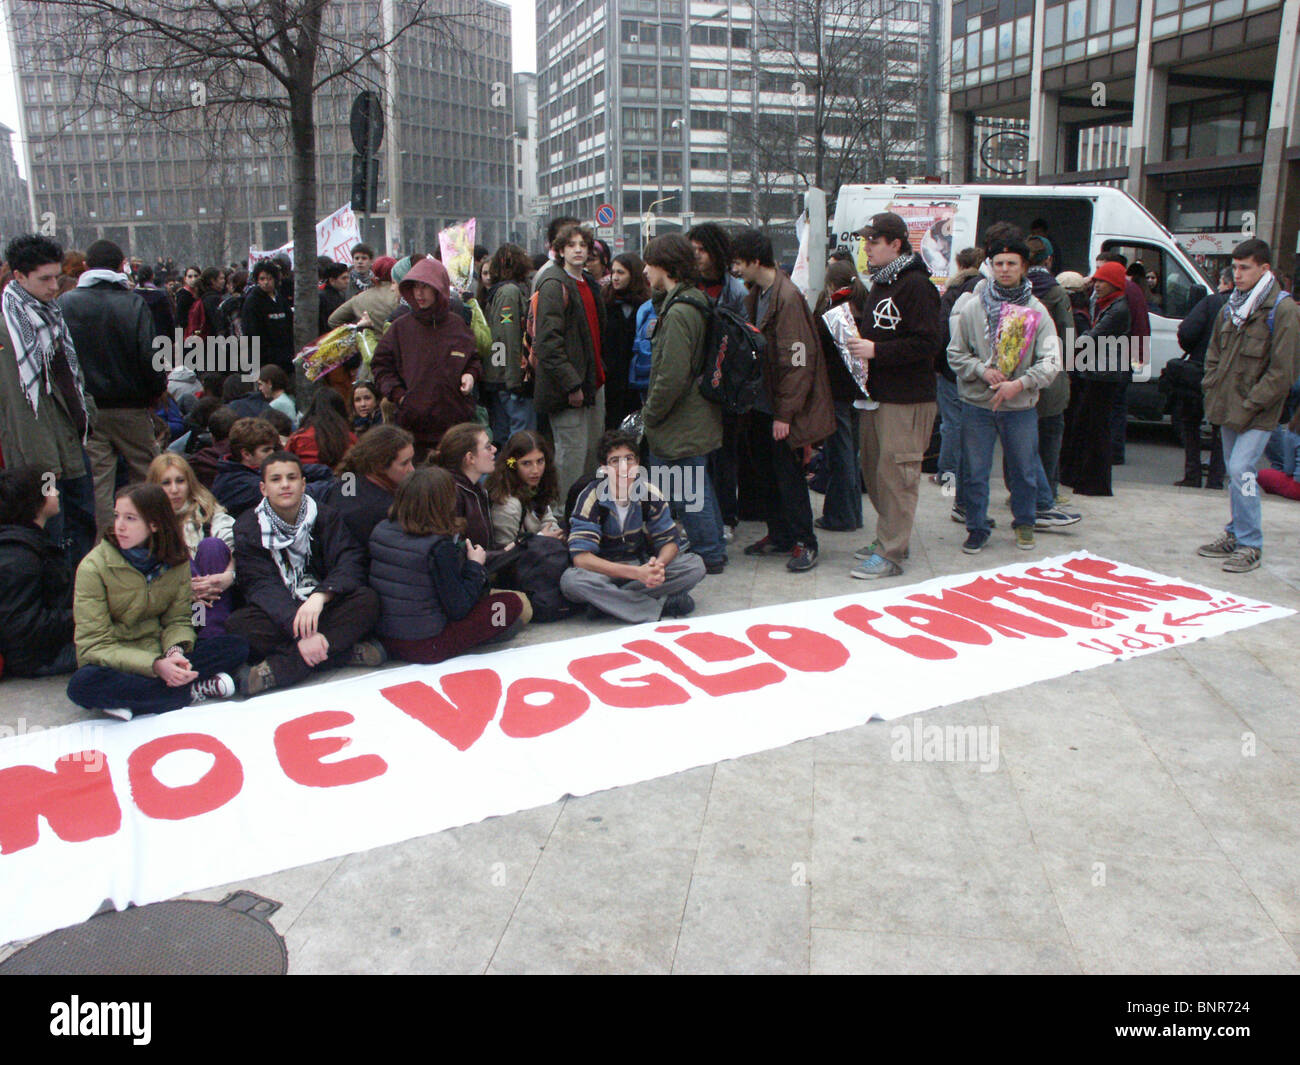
x=886, y=314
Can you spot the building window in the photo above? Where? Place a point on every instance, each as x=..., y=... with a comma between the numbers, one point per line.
x=1075, y=28
x=1219, y=125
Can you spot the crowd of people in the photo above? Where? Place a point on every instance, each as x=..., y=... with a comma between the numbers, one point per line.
x=544, y=440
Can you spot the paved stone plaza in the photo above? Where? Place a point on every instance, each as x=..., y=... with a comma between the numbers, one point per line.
x=1124, y=830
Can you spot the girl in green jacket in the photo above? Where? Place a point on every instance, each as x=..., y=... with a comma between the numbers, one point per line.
x=132, y=609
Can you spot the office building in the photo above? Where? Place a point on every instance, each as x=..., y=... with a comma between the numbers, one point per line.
x=15, y=216
x=674, y=112
x=206, y=193
x=1189, y=105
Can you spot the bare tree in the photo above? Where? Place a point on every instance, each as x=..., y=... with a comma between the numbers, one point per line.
x=218, y=67
x=849, y=81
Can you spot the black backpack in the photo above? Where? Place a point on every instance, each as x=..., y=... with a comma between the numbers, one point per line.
x=733, y=361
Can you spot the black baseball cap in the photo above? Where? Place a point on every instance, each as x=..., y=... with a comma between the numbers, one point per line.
x=887, y=225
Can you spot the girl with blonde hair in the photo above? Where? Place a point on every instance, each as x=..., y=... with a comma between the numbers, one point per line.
x=209, y=534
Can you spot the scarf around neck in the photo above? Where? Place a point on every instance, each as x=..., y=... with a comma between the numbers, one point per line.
x=993, y=296
x=886, y=274
x=141, y=560
x=39, y=332
x=1241, y=305
x=289, y=544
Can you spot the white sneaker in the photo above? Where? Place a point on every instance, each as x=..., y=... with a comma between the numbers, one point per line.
x=119, y=712
x=217, y=686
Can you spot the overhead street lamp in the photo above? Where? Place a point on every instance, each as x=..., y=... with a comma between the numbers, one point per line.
x=684, y=123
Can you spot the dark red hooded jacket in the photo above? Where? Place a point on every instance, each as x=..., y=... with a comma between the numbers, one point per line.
x=420, y=360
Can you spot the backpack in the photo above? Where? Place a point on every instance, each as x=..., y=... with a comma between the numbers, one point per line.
x=530, y=324
x=638, y=374
x=733, y=361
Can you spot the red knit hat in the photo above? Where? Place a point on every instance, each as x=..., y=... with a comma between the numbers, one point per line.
x=382, y=267
x=1112, y=274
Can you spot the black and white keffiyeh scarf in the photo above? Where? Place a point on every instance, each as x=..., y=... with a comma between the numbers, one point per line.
x=886, y=274
x=38, y=330
x=993, y=296
x=1241, y=305
x=290, y=544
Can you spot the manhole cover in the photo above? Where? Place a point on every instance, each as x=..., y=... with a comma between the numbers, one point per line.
x=179, y=938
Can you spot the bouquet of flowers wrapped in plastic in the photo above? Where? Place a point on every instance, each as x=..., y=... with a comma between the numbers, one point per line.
x=329, y=352
x=1015, y=338
x=839, y=320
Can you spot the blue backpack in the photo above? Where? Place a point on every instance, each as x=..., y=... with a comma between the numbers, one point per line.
x=638, y=375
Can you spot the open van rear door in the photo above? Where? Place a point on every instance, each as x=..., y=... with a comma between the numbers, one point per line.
x=939, y=224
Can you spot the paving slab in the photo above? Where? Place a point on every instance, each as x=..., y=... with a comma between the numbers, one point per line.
x=834, y=855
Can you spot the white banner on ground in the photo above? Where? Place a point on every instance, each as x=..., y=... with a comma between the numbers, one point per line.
x=140, y=812
x=336, y=236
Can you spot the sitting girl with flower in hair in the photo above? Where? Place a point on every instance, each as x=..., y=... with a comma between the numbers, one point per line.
x=523, y=488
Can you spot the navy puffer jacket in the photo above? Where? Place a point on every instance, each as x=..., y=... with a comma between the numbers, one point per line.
x=422, y=581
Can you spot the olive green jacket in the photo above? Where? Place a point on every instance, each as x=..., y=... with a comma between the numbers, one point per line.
x=679, y=422
x=123, y=622
x=50, y=441
x=1248, y=371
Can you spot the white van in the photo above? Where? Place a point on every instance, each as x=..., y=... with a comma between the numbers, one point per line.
x=1082, y=221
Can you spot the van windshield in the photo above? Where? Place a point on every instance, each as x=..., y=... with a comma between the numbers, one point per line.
x=1170, y=289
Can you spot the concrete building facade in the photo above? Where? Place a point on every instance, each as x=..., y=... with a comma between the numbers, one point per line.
x=667, y=109
x=1189, y=105
x=14, y=213
x=205, y=198
x=528, y=228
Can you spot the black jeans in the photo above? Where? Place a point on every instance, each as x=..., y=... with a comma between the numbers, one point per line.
x=786, y=506
x=345, y=620
x=1187, y=419
x=101, y=688
x=722, y=469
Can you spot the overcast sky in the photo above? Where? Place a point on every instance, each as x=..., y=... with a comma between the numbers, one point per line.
x=523, y=45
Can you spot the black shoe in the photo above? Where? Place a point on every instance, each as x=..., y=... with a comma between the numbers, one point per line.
x=1188, y=482
x=1217, y=485
x=802, y=559
x=716, y=566
x=678, y=605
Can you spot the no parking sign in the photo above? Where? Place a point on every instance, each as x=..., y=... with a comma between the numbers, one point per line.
x=605, y=215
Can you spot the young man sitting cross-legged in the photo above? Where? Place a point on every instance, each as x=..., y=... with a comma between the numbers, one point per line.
x=304, y=580
x=626, y=549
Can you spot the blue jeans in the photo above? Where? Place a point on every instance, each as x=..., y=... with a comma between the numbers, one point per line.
x=950, y=451
x=686, y=485
x=1241, y=455
x=1018, y=431
x=74, y=525
x=843, y=506
x=101, y=688
x=507, y=414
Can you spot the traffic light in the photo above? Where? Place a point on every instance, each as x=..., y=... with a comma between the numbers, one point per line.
x=365, y=184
